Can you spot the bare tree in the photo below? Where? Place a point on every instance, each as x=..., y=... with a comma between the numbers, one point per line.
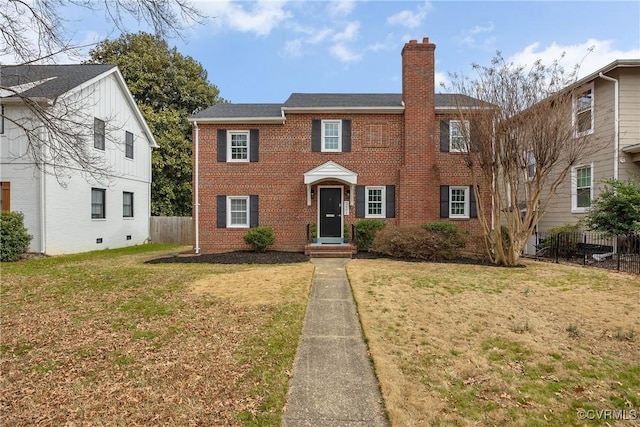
x=522, y=143
x=58, y=134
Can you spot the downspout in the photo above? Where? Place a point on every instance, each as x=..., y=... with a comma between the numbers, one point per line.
x=616, y=134
x=43, y=210
x=196, y=202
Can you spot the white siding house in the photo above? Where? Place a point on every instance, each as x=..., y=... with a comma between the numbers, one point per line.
x=65, y=208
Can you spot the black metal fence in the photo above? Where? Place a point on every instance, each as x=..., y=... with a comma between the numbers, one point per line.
x=621, y=253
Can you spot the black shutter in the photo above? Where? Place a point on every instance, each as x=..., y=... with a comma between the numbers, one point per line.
x=222, y=212
x=360, y=201
x=222, y=145
x=444, y=201
x=474, y=137
x=254, y=137
x=390, y=201
x=346, y=136
x=473, y=207
x=254, y=219
x=444, y=135
x=316, y=135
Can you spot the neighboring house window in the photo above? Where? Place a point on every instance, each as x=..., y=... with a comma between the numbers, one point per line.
x=1, y=119
x=457, y=202
x=5, y=196
x=531, y=165
x=127, y=204
x=128, y=145
x=98, y=203
x=98, y=133
x=331, y=135
x=583, y=111
x=238, y=147
x=237, y=211
x=458, y=131
x=582, y=188
x=375, y=202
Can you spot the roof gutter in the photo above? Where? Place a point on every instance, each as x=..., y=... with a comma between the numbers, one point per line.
x=616, y=115
x=264, y=120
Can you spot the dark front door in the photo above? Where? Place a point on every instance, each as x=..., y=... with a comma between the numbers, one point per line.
x=330, y=212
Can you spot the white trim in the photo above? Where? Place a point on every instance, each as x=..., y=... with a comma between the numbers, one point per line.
x=574, y=188
x=323, y=136
x=239, y=120
x=345, y=110
x=383, y=190
x=248, y=211
x=577, y=92
x=229, y=146
x=467, y=201
x=330, y=170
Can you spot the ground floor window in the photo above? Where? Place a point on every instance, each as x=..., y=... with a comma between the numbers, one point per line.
x=98, y=203
x=238, y=211
x=127, y=204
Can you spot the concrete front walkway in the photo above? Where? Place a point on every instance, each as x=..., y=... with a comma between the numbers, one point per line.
x=333, y=382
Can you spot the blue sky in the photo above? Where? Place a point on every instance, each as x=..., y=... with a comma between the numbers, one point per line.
x=262, y=51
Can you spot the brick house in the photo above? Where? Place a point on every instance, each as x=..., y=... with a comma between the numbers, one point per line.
x=330, y=160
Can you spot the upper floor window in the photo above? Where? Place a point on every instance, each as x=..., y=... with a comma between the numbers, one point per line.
x=238, y=146
x=583, y=117
x=531, y=165
x=128, y=145
x=375, y=202
x=331, y=135
x=127, y=204
x=458, y=131
x=98, y=133
x=581, y=188
x=98, y=203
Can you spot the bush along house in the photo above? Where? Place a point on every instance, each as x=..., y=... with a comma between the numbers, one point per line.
x=320, y=162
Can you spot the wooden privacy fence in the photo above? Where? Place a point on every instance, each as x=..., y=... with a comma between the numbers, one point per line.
x=171, y=229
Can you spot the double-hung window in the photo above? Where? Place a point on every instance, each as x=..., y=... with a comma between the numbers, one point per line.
x=238, y=211
x=331, y=135
x=375, y=203
x=458, y=202
x=583, y=117
x=127, y=204
x=582, y=188
x=458, y=134
x=531, y=165
x=238, y=146
x=128, y=145
x=98, y=133
x=98, y=203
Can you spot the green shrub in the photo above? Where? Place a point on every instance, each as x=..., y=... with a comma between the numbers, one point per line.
x=260, y=238
x=14, y=239
x=567, y=237
x=366, y=230
x=441, y=227
x=418, y=242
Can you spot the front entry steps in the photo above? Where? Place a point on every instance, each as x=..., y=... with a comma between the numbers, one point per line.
x=318, y=250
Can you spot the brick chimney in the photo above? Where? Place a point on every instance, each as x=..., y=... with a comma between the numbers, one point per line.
x=417, y=175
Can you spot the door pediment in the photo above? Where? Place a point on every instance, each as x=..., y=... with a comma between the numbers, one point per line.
x=330, y=171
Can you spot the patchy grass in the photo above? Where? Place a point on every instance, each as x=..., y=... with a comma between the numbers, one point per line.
x=104, y=339
x=462, y=345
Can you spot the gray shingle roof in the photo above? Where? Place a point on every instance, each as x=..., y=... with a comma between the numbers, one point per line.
x=54, y=80
x=321, y=101
x=241, y=110
x=343, y=100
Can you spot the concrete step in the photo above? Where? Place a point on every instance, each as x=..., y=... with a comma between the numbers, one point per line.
x=330, y=251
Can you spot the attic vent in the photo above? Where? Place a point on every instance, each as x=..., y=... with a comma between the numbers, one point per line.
x=129, y=237
x=99, y=240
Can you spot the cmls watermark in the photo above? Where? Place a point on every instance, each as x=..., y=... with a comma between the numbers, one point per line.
x=608, y=414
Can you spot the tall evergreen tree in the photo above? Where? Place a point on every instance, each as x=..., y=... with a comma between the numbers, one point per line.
x=168, y=87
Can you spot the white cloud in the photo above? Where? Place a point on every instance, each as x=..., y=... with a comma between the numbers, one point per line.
x=292, y=49
x=473, y=37
x=349, y=33
x=590, y=55
x=341, y=8
x=259, y=17
x=410, y=18
x=344, y=54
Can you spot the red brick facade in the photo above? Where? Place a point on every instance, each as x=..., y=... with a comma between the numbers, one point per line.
x=399, y=148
